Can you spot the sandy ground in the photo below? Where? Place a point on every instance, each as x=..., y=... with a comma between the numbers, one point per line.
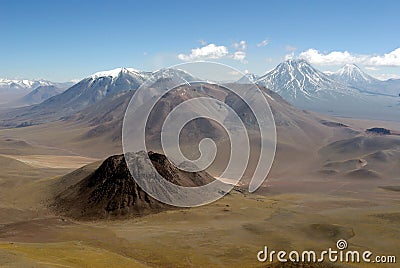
x=290, y=213
x=53, y=161
x=227, y=233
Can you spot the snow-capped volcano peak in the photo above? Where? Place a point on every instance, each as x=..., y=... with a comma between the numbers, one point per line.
x=350, y=67
x=95, y=88
x=294, y=76
x=114, y=73
x=298, y=71
x=351, y=74
x=299, y=82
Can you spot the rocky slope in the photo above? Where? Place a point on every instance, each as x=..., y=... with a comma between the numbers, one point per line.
x=110, y=191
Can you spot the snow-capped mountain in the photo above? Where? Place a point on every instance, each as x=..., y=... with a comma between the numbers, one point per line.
x=115, y=73
x=90, y=91
x=94, y=88
x=12, y=89
x=22, y=84
x=100, y=85
x=351, y=75
x=306, y=87
x=297, y=81
x=172, y=74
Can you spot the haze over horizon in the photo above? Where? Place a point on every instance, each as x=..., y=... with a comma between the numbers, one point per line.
x=84, y=38
x=199, y=133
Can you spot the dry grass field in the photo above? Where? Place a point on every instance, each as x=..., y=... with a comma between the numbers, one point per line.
x=289, y=212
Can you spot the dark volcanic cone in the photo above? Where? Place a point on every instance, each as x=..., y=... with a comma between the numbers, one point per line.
x=111, y=191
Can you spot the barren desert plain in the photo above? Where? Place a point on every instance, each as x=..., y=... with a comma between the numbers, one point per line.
x=320, y=190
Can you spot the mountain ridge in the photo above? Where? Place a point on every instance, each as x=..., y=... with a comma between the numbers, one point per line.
x=351, y=75
x=13, y=89
x=297, y=78
x=87, y=93
x=308, y=88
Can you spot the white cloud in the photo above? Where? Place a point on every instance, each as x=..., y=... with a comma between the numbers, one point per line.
x=239, y=55
x=388, y=59
x=263, y=43
x=240, y=45
x=342, y=57
x=210, y=51
x=332, y=58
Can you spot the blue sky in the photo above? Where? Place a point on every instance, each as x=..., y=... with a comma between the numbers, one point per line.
x=64, y=40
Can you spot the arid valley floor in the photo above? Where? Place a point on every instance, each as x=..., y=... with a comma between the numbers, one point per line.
x=311, y=210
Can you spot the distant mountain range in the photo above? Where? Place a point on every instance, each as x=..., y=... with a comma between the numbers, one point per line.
x=13, y=89
x=347, y=92
x=86, y=93
x=22, y=84
x=297, y=81
x=27, y=92
x=93, y=89
x=296, y=77
x=351, y=75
